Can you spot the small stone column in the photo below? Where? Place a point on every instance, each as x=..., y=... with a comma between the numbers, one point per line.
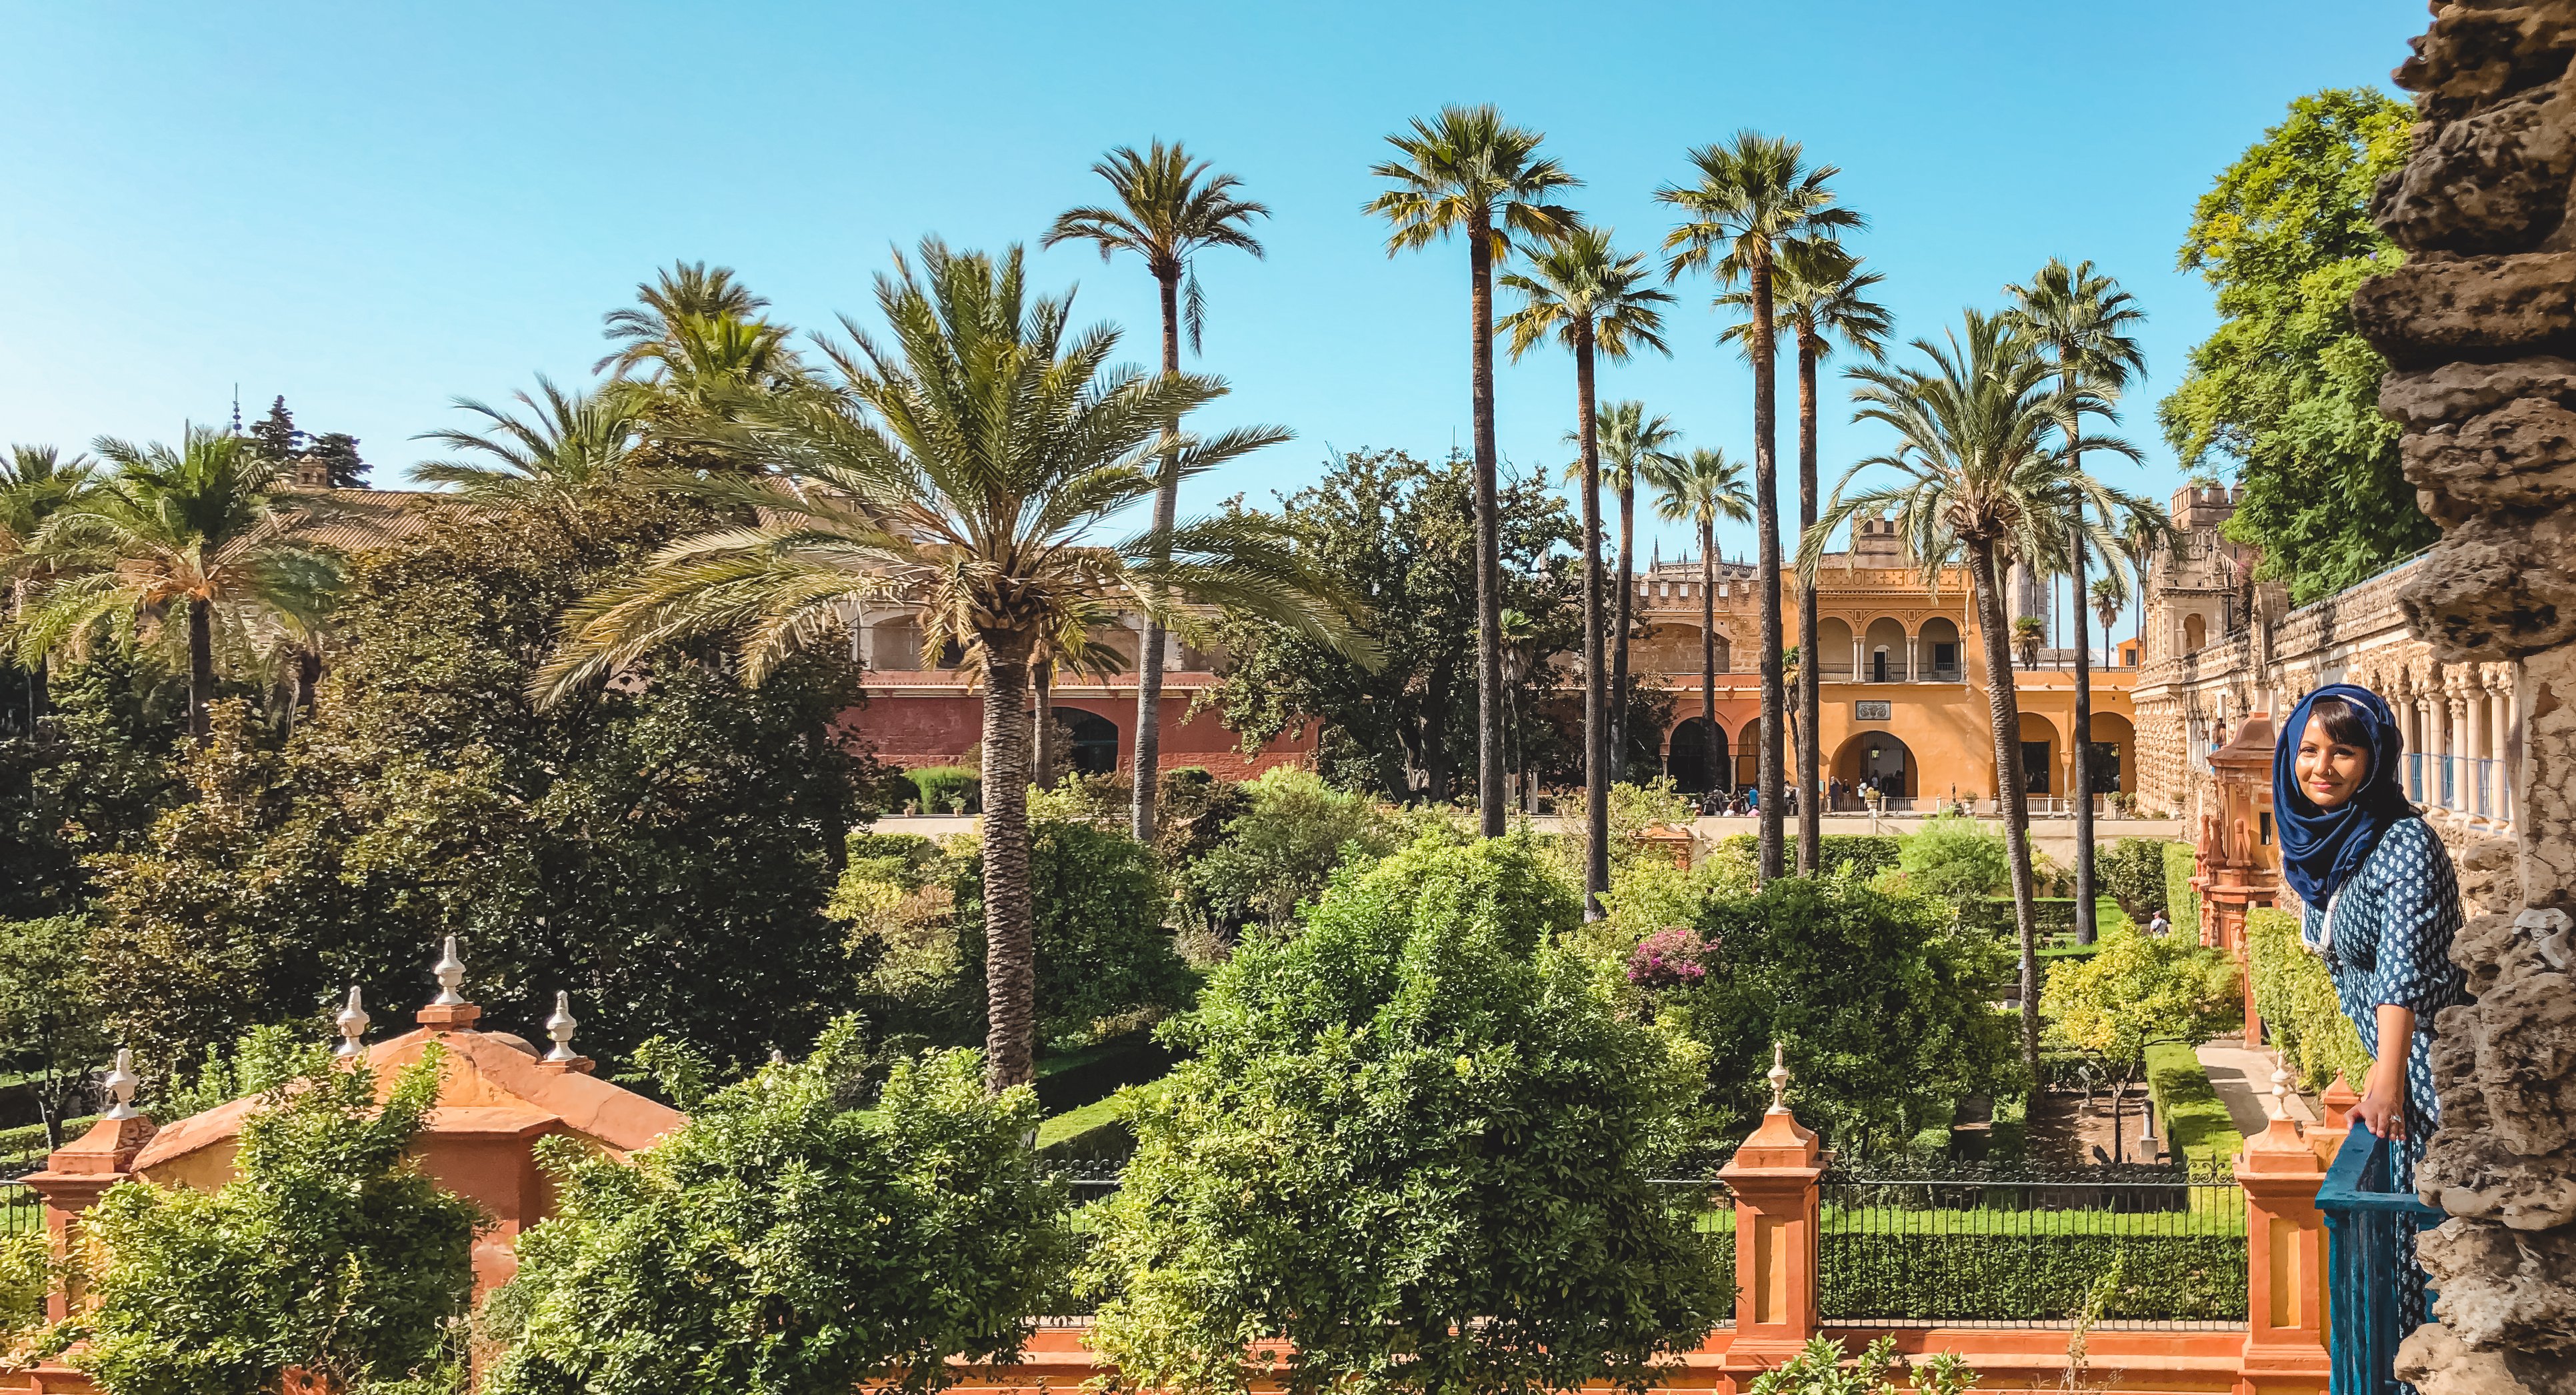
x=2285, y=1301
x=1775, y=1175
x=77, y=1174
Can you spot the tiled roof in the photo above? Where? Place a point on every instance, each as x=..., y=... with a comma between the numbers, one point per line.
x=360, y=519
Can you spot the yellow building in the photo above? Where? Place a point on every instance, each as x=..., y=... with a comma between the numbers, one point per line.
x=1904, y=702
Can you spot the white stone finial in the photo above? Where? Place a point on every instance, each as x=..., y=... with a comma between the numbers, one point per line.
x=353, y=1022
x=560, y=1028
x=120, y=1084
x=451, y=972
x=2277, y=1103
x=1779, y=1077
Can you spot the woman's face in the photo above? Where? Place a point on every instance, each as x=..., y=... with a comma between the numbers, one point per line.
x=2329, y=772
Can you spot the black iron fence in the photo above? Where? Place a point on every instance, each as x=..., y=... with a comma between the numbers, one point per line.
x=21, y=1210
x=2005, y=1245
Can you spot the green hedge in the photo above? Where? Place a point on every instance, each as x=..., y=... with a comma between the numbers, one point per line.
x=1864, y=854
x=2055, y=914
x=1972, y=1277
x=2296, y=997
x=2182, y=904
x=938, y=783
x=2194, y=1119
x=2132, y=871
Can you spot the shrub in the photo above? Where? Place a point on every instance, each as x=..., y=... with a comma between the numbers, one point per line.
x=2196, y=1121
x=1105, y=961
x=2182, y=904
x=2044, y=1276
x=2296, y=998
x=2137, y=991
x=944, y=788
x=329, y=1250
x=2053, y=915
x=1415, y=1110
x=782, y=1241
x=1862, y=855
x=2132, y=871
x=1634, y=808
x=1954, y=856
x=1279, y=851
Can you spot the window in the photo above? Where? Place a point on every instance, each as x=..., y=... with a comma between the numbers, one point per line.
x=1945, y=662
x=2103, y=765
x=1878, y=665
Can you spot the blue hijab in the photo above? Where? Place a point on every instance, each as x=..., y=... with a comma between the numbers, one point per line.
x=2322, y=848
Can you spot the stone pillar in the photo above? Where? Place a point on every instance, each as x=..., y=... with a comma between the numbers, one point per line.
x=1913, y=659
x=2476, y=326
x=1775, y=1176
x=77, y=1174
x=2509, y=737
x=2285, y=1301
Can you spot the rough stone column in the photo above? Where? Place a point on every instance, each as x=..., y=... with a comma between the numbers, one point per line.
x=2479, y=327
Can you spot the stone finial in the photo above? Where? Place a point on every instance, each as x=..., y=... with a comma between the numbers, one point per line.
x=450, y=971
x=560, y=1028
x=2277, y=1103
x=352, y=1022
x=1779, y=1077
x=120, y=1084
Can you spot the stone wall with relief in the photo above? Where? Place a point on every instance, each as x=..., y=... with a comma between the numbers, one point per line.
x=2479, y=326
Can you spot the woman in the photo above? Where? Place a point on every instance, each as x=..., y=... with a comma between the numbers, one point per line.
x=2383, y=902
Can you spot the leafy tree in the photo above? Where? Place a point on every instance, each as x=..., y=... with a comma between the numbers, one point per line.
x=2285, y=389
x=337, y=453
x=1281, y=850
x=1414, y=1144
x=1168, y=209
x=2135, y=991
x=329, y=1251
x=1103, y=956
x=196, y=535
x=966, y=468
x=1595, y=301
x=90, y=779
x=1467, y=171
x=1755, y=200
x=50, y=1032
x=1396, y=531
x=783, y=1241
x=1954, y=857
x=275, y=438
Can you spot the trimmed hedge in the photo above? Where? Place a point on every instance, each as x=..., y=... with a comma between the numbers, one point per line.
x=2195, y=1120
x=1971, y=1277
x=2296, y=997
x=2055, y=915
x=2182, y=904
x=2132, y=871
x=1085, y=1077
x=937, y=784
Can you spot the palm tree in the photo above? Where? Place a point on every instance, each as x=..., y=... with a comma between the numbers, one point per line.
x=2029, y=634
x=1468, y=171
x=1822, y=297
x=36, y=482
x=1984, y=475
x=563, y=452
x=967, y=468
x=689, y=291
x=1597, y=304
x=1701, y=491
x=199, y=531
x=2108, y=596
x=1754, y=198
x=2083, y=321
x=1632, y=443
x=1169, y=207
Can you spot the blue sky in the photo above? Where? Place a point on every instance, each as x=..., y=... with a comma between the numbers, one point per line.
x=374, y=208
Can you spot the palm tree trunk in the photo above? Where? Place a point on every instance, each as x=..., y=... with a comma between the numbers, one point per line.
x=2009, y=794
x=1766, y=506
x=1811, y=804
x=1042, y=723
x=1708, y=629
x=1623, y=618
x=201, y=670
x=1149, y=660
x=1489, y=566
x=2083, y=781
x=1596, y=730
x=1010, y=943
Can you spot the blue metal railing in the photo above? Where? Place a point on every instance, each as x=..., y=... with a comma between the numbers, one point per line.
x=2374, y=1292
x=2415, y=776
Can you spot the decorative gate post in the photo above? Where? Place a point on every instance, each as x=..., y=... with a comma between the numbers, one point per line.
x=81, y=1171
x=1774, y=1175
x=2285, y=1340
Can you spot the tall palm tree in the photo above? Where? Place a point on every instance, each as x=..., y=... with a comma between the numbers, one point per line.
x=1468, y=171
x=1984, y=475
x=36, y=482
x=1169, y=207
x=1631, y=444
x=567, y=447
x=1754, y=197
x=1822, y=299
x=1597, y=303
x=1700, y=491
x=688, y=291
x=2083, y=321
x=2108, y=596
x=966, y=466
x=198, y=534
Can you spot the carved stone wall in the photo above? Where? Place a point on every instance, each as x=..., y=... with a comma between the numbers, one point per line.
x=2479, y=326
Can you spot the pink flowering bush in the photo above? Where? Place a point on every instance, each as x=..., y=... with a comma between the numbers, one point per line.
x=1669, y=958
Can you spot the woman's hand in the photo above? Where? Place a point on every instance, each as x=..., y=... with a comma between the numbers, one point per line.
x=2384, y=1111
x=2383, y=1099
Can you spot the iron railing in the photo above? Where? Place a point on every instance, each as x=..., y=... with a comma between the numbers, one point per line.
x=2375, y=1294
x=1906, y=1243
x=2464, y=784
x=21, y=1210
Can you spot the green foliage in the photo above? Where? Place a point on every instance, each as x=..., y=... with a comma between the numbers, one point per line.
x=1294, y=830
x=1862, y=855
x=2182, y=903
x=2195, y=1120
x=1105, y=963
x=785, y=1242
x=1819, y=1369
x=2286, y=388
x=1414, y=1143
x=50, y=1033
x=2296, y=998
x=1880, y=998
x=329, y=1251
x=27, y=1277
x=99, y=768
x=264, y=1060
x=2137, y=990
x=1955, y=857
x=946, y=789
x=2046, y=1277
x=2133, y=870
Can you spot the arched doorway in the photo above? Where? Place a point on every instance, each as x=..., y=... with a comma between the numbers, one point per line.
x=1876, y=760
x=1833, y=650
x=1748, y=754
x=2195, y=634
x=1697, y=761
x=2114, y=741
x=1094, y=749
x=1882, y=653
x=2039, y=750
x=1937, y=649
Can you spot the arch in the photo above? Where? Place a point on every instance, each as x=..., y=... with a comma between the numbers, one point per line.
x=1834, y=649
x=1942, y=654
x=1882, y=652
x=2195, y=634
x=1876, y=758
x=1697, y=757
x=2039, y=753
x=1094, y=747
x=1748, y=753
x=2114, y=746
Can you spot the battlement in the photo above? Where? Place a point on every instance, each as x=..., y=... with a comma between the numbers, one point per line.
x=2197, y=506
